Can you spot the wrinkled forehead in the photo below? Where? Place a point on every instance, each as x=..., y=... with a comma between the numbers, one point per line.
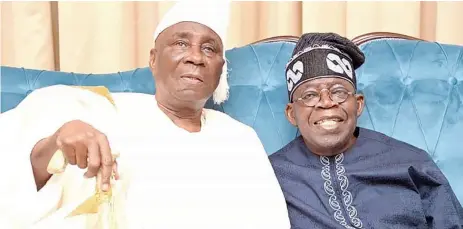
x=325, y=82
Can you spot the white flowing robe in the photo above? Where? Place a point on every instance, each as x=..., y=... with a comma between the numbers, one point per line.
x=219, y=177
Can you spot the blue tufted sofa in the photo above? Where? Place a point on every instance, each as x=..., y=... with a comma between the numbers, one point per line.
x=413, y=92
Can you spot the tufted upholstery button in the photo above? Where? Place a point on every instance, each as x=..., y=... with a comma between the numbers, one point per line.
x=453, y=81
x=407, y=80
x=126, y=90
x=28, y=92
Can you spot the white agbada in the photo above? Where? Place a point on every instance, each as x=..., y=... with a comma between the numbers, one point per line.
x=219, y=177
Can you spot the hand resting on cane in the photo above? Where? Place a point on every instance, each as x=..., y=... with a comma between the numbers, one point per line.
x=76, y=143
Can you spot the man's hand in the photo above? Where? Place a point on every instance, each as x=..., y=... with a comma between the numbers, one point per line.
x=86, y=147
x=82, y=145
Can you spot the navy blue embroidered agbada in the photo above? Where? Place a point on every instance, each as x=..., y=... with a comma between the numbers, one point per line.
x=379, y=183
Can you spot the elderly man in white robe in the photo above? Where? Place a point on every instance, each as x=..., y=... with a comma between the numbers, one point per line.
x=85, y=158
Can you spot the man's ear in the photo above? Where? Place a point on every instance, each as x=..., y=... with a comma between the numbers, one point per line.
x=360, y=99
x=153, y=52
x=289, y=111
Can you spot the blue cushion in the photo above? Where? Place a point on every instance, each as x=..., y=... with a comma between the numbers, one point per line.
x=412, y=88
x=413, y=92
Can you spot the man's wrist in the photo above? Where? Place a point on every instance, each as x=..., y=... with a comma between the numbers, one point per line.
x=42, y=150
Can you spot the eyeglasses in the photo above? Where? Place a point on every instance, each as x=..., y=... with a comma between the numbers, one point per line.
x=337, y=95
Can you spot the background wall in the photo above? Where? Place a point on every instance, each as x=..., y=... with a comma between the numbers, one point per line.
x=102, y=37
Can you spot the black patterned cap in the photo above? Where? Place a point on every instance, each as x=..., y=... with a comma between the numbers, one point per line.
x=321, y=55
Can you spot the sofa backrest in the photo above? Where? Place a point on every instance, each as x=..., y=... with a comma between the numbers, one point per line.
x=413, y=92
x=412, y=88
x=258, y=91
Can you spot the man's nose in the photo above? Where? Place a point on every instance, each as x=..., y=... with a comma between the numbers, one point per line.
x=195, y=55
x=325, y=100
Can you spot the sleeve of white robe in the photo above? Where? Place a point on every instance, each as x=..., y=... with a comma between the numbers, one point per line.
x=38, y=116
x=273, y=211
x=263, y=201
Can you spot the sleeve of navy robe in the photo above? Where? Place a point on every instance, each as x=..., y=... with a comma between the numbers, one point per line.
x=379, y=183
x=440, y=205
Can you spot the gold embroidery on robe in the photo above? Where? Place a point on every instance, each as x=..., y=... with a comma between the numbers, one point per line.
x=100, y=203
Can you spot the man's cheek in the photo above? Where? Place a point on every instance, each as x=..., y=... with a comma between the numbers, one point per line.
x=303, y=121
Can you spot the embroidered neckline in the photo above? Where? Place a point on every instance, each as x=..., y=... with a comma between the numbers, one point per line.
x=346, y=194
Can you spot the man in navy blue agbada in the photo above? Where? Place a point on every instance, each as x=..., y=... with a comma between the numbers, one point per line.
x=337, y=175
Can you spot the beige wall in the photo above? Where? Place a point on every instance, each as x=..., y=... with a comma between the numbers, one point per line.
x=101, y=37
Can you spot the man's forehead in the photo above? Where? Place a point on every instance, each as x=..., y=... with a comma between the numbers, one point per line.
x=321, y=83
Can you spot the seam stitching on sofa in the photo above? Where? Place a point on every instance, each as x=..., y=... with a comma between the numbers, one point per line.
x=122, y=81
x=369, y=116
x=260, y=94
x=398, y=111
x=85, y=77
x=26, y=79
x=442, y=122
x=366, y=58
x=411, y=57
x=451, y=73
x=362, y=73
x=419, y=123
x=131, y=77
x=75, y=78
x=445, y=54
x=459, y=60
x=265, y=96
x=403, y=91
x=32, y=87
x=395, y=57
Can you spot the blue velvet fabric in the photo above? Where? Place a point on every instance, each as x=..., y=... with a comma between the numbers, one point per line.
x=413, y=93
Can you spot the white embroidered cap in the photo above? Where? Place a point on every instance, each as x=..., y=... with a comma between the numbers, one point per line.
x=213, y=14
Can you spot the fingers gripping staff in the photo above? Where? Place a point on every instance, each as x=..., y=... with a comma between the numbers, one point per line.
x=101, y=202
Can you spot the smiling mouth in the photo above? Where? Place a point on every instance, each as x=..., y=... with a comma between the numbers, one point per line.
x=329, y=123
x=328, y=120
x=192, y=78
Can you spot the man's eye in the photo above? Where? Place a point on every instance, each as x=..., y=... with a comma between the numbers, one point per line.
x=181, y=43
x=209, y=49
x=339, y=92
x=309, y=96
